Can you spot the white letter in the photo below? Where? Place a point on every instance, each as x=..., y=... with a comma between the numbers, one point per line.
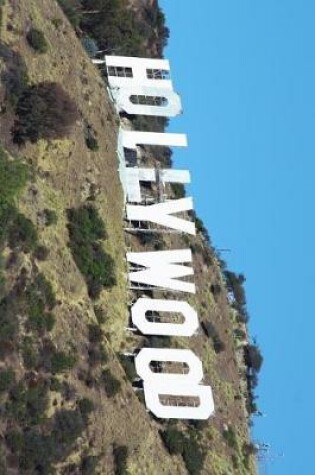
x=130, y=139
x=160, y=213
x=147, y=355
x=162, y=270
x=173, y=384
x=142, y=86
x=134, y=175
x=126, y=71
x=144, y=305
x=201, y=412
x=147, y=101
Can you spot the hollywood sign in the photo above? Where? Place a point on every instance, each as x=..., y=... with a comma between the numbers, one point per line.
x=144, y=87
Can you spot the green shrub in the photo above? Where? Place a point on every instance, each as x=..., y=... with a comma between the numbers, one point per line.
x=2, y=278
x=42, y=321
x=57, y=22
x=8, y=332
x=7, y=378
x=187, y=445
x=199, y=425
x=3, y=461
x=22, y=234
x=174, y=441
x=120, y=453
x=41, y=253
x=96, y=352
x=162, y=154
x=158, y=342
x=100, y=314
x=7, y=213
x=27, y=405
x=208, y=257
x=40, y=300
x=37, y=451
x=55, y=384
x=193, y=455
x=147, y=123
x=86, y=406
x=215, y=289
x=29, y=353
x=178, y=190
x=90, y=46
x=250, y=449
x=61, y=362
x=36, y=306
x=235, y=285
x=235, y=461
x=110, y=383
x=85, y=230
x=44, y=111
x=37, y=41
x=212, y=333
x=230, y=437
x=202, y=229
x=95, y=333
x=254, y=358
x=106, y=27
x=8, y=326
x=92, y=144
x=14, y=441
x=89, y=465
x=97, y=355
x=41, y=291
x=13, y=177
x=85, y=224
x=71, y=12
x=218, y=345
x=118, y=27
x=129, y=367
x=68, y=426
x=14, y=77
x=50, y=217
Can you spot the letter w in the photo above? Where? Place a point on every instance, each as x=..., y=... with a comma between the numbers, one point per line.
x=162, y=269
x=160, y=213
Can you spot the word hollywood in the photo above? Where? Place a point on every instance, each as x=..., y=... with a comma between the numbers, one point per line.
x=143, y=87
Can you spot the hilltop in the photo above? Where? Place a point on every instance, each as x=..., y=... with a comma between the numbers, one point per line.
x=67, y=402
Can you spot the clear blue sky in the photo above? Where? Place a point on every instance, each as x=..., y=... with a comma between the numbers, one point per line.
x=246, y=73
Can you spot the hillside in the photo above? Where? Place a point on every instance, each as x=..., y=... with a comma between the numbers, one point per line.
x=67, y=402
